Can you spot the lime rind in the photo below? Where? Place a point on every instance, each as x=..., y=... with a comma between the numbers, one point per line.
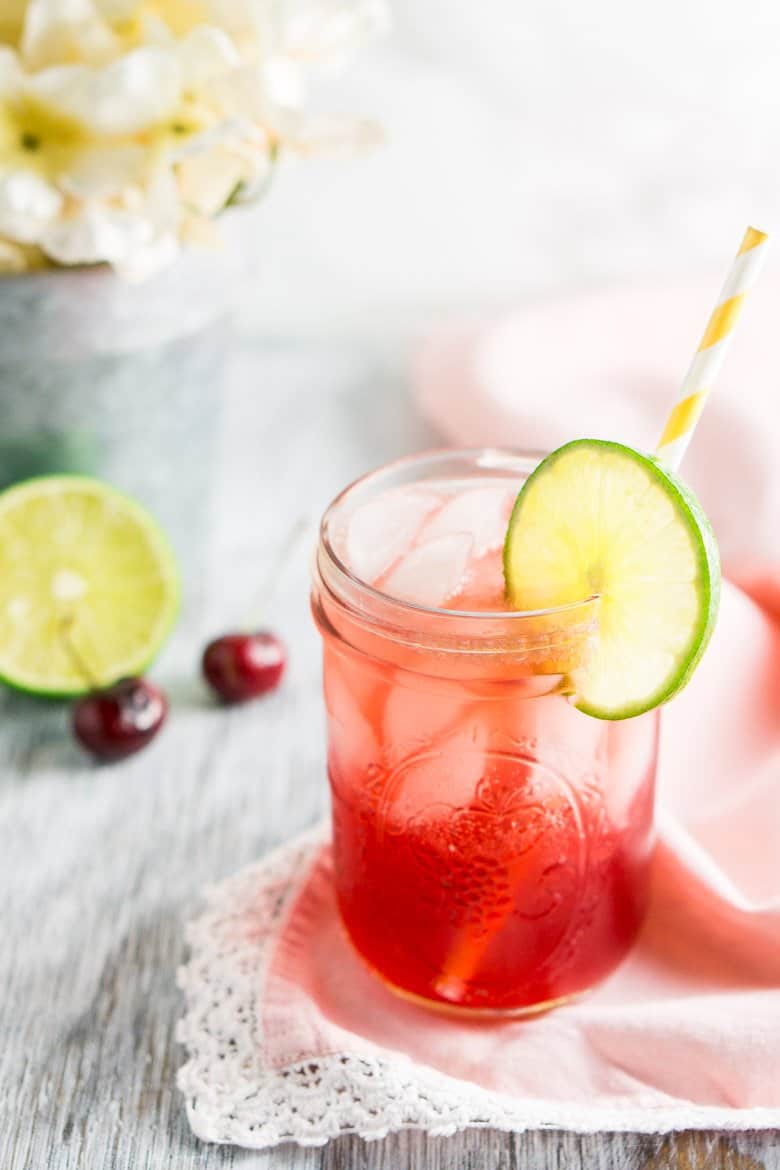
x=39, y=488
x=705, y=586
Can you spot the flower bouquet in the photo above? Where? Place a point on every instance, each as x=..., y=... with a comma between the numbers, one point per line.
x=127, y=127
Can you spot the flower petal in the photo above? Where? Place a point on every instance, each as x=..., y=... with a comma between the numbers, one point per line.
x=10, y=72
x=28, y=205
x=327, y=33
x=334, y=135
x=197, y=229
x=245, y=21
x=135, y=93
x=204, y=54
x=119, y=9
x=179, y=16
x=12, y=21
x=207, y=181
x=58, y=31
x=100, y=232
x=96, y=234
x=159, y=253
x=285, y=84
x=102, y=171
x=13, y=258
x=238, y=94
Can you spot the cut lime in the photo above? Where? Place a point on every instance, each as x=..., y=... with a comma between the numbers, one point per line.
x=88, y=585
x=598, y=518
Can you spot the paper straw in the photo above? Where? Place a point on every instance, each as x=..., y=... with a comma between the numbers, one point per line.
x=467, y=953
x=706, y=364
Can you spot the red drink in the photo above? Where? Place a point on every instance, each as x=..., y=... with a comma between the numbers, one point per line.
x=492, y=844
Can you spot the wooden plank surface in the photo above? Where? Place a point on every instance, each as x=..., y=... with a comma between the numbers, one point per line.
x=101, y=867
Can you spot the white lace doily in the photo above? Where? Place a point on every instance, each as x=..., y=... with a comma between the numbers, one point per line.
x=234, y=1096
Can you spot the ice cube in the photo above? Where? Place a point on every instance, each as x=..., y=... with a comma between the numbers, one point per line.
x=483, y=512
x=354, y=699
x=382, y=530
x=415, y=718
x=432, y=572
x=437, y=747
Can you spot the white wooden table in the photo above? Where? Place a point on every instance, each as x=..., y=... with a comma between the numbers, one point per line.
x=101, y=867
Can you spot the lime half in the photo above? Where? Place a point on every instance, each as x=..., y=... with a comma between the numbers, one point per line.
x=88, y=585
x=598, y=518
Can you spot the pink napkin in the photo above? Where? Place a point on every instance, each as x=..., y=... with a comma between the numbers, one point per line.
x=608, y=365
x=689, y=1027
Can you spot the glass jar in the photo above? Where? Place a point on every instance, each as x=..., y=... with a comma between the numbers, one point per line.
x=492, y=844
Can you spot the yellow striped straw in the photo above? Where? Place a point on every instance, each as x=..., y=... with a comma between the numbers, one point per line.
x=706, y=364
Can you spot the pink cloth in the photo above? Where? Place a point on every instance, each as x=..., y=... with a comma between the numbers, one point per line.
x=692, y=1018
x=608, y=365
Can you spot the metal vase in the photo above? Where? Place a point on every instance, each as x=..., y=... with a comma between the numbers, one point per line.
x=120, y=380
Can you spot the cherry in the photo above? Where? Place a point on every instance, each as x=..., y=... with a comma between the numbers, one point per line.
x=119, y=720
x=239, y=667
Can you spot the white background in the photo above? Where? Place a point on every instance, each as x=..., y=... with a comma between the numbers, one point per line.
x=533, y=146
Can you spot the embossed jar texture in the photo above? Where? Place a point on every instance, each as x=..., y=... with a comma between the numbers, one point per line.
x=492, y=844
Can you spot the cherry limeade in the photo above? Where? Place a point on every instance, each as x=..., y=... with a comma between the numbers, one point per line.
x=491, y=842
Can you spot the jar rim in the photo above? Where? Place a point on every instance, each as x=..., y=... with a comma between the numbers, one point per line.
x=349, y=589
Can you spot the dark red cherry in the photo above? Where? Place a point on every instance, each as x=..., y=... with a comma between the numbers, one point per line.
x=119, y=720
x=239, y=667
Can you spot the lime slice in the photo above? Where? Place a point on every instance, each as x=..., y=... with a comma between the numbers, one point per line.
x=598, y=518
x=88, y=585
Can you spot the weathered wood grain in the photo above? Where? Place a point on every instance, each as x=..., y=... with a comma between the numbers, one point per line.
x=101, y=867
x=557, y=1151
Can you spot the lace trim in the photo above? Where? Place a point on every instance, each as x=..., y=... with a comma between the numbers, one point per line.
x=232, y=1096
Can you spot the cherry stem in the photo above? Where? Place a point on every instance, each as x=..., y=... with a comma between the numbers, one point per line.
x=66, y=633
x=270, y=581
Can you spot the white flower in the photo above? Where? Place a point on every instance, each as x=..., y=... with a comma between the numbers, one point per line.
x=130, y=95
x=12, y=13
x=136, y=236
x=127, y=125
x=28, y=206
x=57, y=31
x=10, y=73
x=206, y=53
x=105, y=172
